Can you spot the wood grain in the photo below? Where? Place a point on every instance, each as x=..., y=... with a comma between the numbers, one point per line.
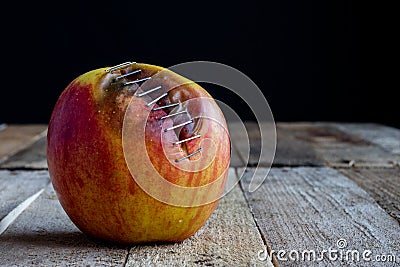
x=16, y=137
x=384, y=136
x=43, y=235
x=293, y=151
x=290, y=150
x=308, y=208
x=16, y=186
x=13, y=215
x=383, y=184
x=32, y=157
x=229, y=238
x=248, y=143
x=302, y=205
x=340, y=149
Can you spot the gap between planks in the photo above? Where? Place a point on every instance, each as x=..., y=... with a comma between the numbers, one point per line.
x=239, y=176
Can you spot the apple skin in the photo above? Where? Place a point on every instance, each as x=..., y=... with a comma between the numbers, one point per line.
x=90, y=174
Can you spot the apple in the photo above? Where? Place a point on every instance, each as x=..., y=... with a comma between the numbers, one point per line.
x=137, y=153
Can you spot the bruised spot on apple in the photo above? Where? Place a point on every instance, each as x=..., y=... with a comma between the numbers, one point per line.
x=98, y=175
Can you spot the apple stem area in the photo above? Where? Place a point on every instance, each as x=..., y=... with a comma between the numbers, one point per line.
x=331, y=184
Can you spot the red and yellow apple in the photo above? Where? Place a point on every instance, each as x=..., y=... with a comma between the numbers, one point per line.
x=131, y=165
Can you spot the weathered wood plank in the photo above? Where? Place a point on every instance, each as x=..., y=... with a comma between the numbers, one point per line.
x=383, y=184
x=293, y=151
x=384, y=136
x=229, y=238
x=289, y=150
x=13, y=215
x=16, y=186
x=311, y=209
x=320, y=143
x=16, y=137
x=340, y=149
x=43, y=235
x=247, y=143
x=32, y=157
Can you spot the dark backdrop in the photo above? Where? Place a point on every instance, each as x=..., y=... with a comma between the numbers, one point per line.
x=313, y=60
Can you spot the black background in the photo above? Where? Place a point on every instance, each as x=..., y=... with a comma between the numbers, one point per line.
x=313, y=60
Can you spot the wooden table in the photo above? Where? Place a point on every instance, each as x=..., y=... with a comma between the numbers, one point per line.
x=332, y=186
